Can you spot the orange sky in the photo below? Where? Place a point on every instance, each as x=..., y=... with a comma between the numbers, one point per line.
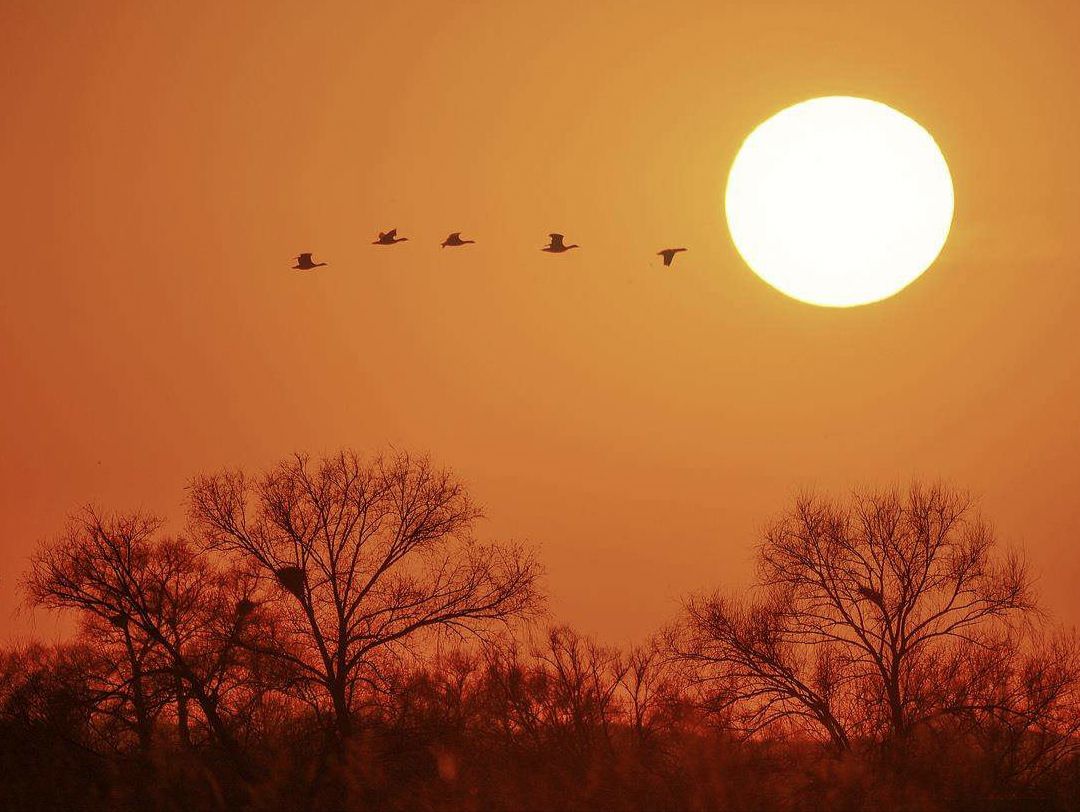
x=162, y=162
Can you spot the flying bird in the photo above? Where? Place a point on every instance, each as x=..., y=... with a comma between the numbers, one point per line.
x=389, y=238
x=669, y=254
x=455, y=240
x=556, y=246
x=304, y=263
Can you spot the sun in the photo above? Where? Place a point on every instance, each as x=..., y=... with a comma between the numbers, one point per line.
x=839, y=201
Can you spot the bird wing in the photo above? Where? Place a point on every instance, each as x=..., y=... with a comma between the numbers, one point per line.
x=556, y=240
x=391, y=233
x=454, y=236
x=668, y=256
x=302, y=258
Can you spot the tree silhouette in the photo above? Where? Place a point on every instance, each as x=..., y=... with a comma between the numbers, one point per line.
x=1017, y=698
x=366, y=560
x=334, y=630
x=859, y=600
x=161, y=602
x=755, y=671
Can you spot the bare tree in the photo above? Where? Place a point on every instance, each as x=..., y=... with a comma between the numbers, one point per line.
x=860, y=599
x=1019, y=699
x=365, y=558
x=561, y=693
x=583, y=680
x=650, y=691
x=158, y=600
x=749, y=667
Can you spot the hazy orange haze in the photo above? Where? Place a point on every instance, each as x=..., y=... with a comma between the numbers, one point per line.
x=162, y=162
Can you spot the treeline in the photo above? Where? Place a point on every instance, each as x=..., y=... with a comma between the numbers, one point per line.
x=330, y=634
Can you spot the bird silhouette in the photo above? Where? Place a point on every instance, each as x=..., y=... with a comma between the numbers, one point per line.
x=389, y=238
x=455, y=240
x=669, y=254
x=304, y=263
x=556, y=246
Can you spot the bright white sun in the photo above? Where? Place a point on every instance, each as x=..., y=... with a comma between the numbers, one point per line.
x=839, y=201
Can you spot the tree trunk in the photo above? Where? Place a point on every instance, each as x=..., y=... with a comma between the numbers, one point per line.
x=897, y=721
x=143, y=723
x=342, y=712
x=182, y=722
x=221, y=733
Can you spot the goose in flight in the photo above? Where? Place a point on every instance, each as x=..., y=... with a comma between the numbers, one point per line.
x=669, y=254
x=304, y=263
x=389, y=238
x=556, y=246
x=455, y=240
